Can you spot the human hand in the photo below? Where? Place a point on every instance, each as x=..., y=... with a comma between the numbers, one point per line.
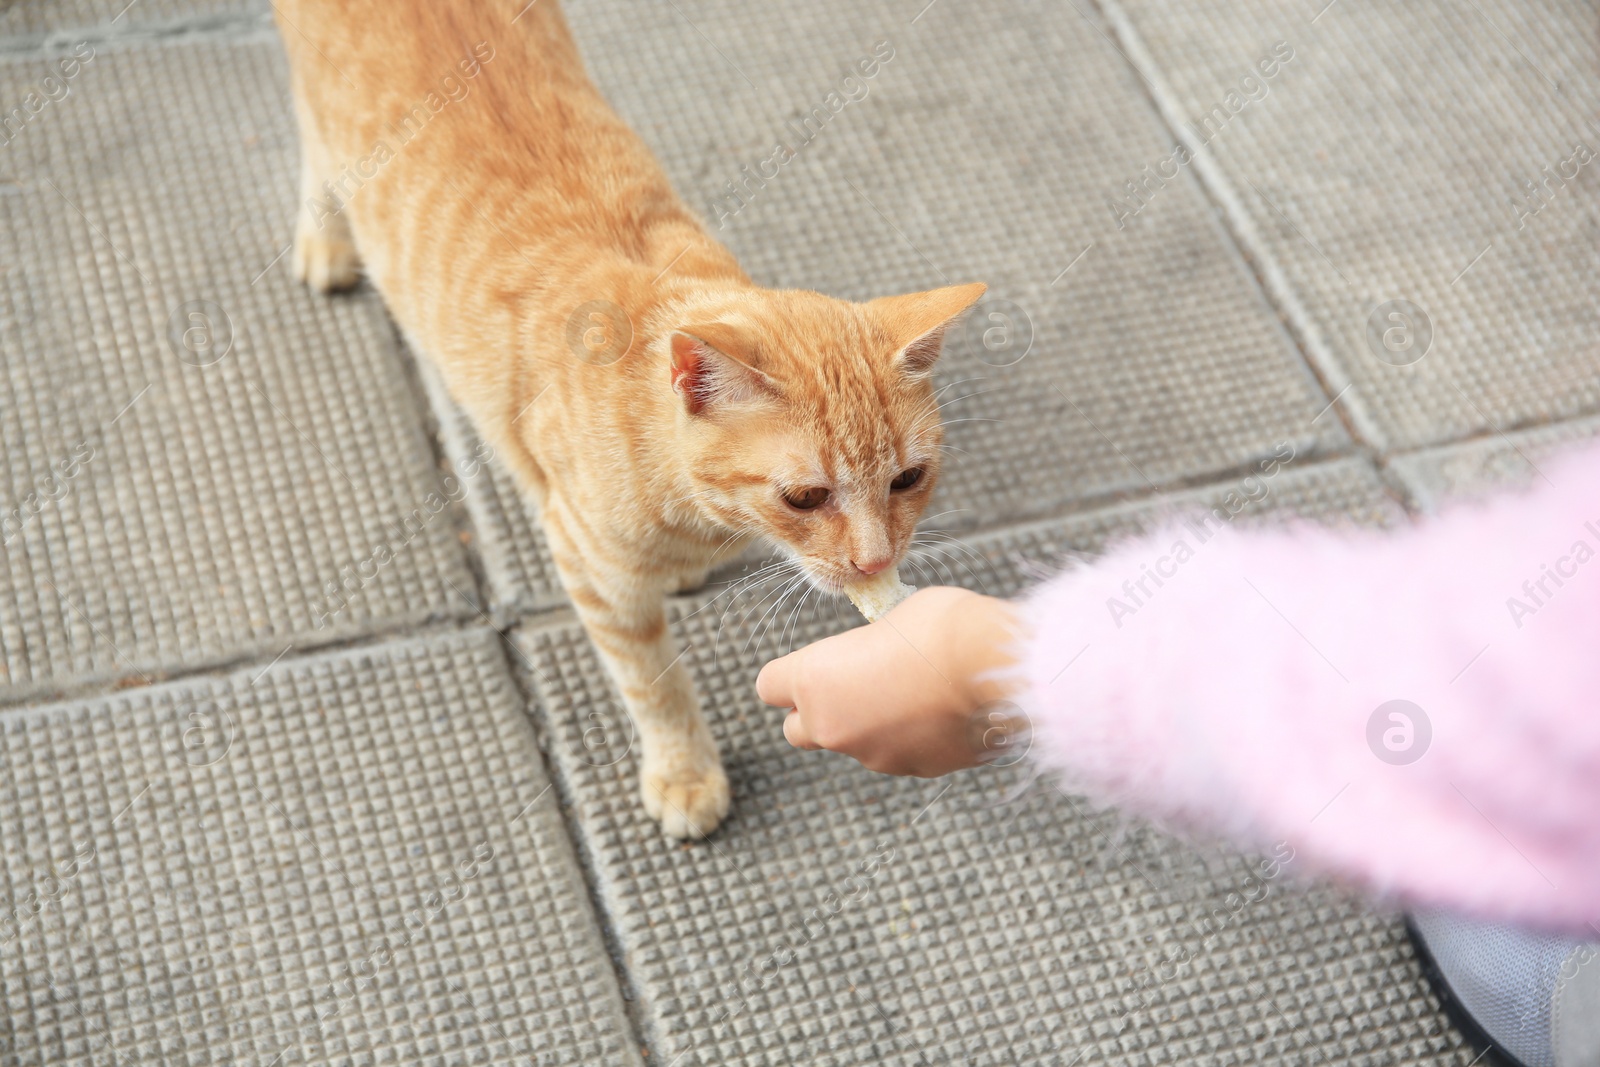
x=900, y=695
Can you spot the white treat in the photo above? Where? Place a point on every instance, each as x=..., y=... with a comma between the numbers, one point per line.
x=875, y=598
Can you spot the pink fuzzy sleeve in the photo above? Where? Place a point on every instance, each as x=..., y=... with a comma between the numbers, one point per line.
x=1240, y=682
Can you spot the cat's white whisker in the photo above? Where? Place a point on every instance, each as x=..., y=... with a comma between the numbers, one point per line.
x=748, y=588
x=938, y=515
x=749, y=583
x=762, y=624
x=941, y=549
x=942, y=573
x=964, y=396
x=780, y=571
x=938, y=399
x=945, y=538
x=966, y=554
x=726, y=541
x=765, y=621
x=958, y=381
x=765, y=570
x=951, y=563
x=794, y=617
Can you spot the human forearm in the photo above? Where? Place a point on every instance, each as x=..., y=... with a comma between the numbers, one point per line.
x=1228, y=685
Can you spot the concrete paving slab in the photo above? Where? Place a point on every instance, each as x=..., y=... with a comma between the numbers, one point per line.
x=1432, y=153
x=840, y=917
x=980, y=150
x=1485, y=465
x=346, y=858
x=195, y=448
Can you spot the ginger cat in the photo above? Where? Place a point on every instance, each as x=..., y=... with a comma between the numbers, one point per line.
x=657, y=406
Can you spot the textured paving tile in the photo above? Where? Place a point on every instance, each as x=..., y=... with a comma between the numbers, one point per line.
x=348, y=858
x=841, y=917
x=980, y=151
x=69, y=19
x=1486, y=464
x=156, y=510
x=1393, y=151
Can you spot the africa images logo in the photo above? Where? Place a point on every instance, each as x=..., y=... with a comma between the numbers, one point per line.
x=1399, y=732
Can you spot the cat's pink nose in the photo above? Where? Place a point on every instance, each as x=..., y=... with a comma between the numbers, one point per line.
x=874, y=566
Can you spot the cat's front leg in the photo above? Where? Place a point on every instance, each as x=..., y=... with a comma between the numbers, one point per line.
x=623, y=607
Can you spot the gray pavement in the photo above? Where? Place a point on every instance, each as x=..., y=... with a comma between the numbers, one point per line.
x=266, y=800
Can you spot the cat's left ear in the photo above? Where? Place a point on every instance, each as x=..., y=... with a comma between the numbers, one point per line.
x=917, y=322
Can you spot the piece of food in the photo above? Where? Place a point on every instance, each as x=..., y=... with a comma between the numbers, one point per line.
x=874, y=598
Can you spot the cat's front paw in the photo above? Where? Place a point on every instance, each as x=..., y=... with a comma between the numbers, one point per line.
x=326, y=262
x=687, y=804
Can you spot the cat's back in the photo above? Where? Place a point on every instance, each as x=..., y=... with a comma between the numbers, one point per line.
x=477, y=164
x=368, y=52
x=505, y=70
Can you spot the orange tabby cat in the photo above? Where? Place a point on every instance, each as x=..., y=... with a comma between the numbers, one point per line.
x=657, y=406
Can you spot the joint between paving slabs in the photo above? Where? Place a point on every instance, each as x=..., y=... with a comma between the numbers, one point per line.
x=222, y=29
x=523, y=677
x=1277, y=291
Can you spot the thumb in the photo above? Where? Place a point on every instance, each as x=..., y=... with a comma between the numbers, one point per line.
x=775, y=683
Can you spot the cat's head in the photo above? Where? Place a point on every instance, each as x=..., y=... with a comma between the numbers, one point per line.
x=813, y=421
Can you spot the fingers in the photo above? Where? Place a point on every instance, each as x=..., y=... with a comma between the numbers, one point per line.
x=794, y=731
x=775, y=686
x=775, y=683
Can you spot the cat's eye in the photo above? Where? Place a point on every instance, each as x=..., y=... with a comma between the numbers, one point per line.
x=906, y=479
x=806, y=499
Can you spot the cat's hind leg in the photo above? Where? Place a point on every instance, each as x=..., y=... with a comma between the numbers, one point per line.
x=325, y=256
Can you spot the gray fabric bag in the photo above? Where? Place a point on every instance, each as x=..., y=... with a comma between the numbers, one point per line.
x=1535, y=997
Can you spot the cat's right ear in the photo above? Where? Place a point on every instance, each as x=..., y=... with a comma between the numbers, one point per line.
x=708, y=379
